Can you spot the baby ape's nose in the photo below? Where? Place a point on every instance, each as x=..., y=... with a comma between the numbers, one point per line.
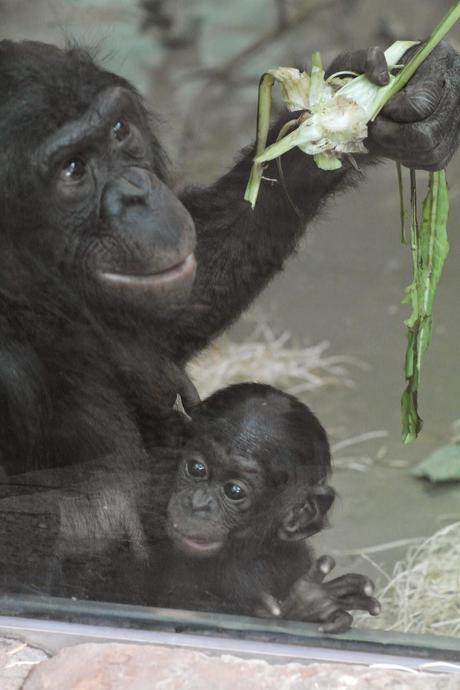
x=202, y=500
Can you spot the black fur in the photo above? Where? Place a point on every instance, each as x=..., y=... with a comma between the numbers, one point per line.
x=79, y=372
x=146, y=531
x=84, y=366
x=273, y=448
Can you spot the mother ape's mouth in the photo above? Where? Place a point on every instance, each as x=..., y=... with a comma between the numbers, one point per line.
x=182, y=271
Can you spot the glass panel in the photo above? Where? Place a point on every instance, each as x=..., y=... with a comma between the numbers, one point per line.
x=134, y=494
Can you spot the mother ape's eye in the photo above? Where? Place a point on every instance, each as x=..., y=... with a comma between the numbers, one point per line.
x=195, y=468
x=234, y=491
x=74, y=169
x=121, y=130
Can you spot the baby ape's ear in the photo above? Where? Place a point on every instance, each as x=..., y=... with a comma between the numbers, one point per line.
x=307, y=519
x=179, y=407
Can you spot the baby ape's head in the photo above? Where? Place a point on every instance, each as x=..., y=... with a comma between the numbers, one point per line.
x=254, y=466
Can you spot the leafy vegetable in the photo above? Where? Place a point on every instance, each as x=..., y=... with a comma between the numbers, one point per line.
x=336, y=111
x=335, y=117
x=333, y=123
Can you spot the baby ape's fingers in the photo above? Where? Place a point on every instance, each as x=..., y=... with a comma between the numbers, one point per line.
x=268, y=606
x=320, y=568
x=357, y=602
x=339, y=622
x=350, y=584
x=310, y=601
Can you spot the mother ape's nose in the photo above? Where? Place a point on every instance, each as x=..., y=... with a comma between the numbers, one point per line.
x=134, y=186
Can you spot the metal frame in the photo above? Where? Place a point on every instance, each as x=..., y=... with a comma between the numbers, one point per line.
x=52, y=623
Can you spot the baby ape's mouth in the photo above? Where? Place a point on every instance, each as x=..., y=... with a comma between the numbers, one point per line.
x=169, y=278
x=196, y=547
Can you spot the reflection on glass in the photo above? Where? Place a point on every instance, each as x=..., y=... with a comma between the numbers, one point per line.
x=219, y=521
x=117, y=483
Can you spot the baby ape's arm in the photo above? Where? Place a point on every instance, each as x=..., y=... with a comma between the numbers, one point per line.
x=239, y=249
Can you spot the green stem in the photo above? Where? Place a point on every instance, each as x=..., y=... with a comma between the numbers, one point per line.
x=385, y=93
x=263, y=126
x=411, y=422
x=402, y=208
x=429, y=246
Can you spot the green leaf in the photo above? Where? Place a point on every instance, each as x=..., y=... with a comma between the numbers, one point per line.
x=429, y=247
x=327, y=161
x=441, y=466
x=280, y=146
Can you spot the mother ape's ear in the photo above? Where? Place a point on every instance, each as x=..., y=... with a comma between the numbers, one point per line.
x=307, y=519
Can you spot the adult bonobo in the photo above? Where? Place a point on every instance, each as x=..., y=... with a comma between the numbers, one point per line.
x=107, y=286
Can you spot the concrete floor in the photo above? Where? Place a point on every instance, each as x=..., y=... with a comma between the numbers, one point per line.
x=345, y=286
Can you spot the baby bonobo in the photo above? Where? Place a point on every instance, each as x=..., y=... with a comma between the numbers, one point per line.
x=251, y=487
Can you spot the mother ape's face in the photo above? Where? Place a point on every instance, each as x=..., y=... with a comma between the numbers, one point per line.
x=101, y=214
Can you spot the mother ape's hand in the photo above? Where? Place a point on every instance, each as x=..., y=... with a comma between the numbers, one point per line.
x=420, y=125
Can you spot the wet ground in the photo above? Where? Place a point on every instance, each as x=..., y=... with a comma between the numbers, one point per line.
x=346, y=284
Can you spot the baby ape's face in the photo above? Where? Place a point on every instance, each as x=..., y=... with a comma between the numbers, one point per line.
x=253, y=469
x=217, y=490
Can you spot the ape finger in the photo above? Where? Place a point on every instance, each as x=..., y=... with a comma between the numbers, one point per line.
x=420, y=128
x=356, y=602
x=339, y=622
x=419, y=146
x=422, y=95
x=369, y=61
x=268, y=606
x=414, y=102
x=320, y=568
x=350, y=584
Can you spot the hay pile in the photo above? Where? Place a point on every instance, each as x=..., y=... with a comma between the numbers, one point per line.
x=423, y=592
x=268, y=358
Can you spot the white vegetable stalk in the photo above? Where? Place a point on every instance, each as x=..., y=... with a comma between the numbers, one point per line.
x=337, y=110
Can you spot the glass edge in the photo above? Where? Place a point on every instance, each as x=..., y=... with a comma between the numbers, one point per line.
x=223, y=625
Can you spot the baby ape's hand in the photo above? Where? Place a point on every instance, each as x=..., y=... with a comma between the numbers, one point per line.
x=312, y=600
x=420, y=125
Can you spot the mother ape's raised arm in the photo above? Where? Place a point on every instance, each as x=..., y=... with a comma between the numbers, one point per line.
x=240, y=249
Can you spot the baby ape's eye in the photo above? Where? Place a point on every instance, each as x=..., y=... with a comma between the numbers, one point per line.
x=121, y=130
x=74, y=169
x=195, y=468
x=234, y=491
